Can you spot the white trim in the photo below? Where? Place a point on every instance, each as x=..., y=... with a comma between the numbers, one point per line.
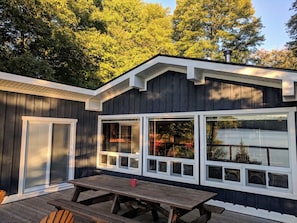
x=275, y=216
x=195, y=70
x=50, y=121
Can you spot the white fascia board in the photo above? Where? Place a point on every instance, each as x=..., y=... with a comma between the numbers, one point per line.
x=196, y=71
x=44, y=83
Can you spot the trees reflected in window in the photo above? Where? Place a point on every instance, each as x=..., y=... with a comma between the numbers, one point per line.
x=253, y=139
x=120, y=136
x=171, y=138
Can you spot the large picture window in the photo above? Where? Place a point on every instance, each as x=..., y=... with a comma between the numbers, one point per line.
x=120, y=145
x=171, y=138
x=171, y=149
x=250, y=150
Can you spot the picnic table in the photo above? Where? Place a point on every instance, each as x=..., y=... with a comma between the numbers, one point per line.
x=144, y=197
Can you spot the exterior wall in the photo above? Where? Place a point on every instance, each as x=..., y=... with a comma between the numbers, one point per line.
x=14, y=105
x=172, y=92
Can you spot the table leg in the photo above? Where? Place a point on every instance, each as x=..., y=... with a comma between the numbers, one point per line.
x=115, y=205
x=76, y=193
x=172, y=215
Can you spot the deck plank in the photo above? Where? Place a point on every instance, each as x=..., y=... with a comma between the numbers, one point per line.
x=33, y=209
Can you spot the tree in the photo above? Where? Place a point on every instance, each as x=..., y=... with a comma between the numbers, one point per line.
x=205, y=28
x=283, y=58
x=292, y=29
x=50, y=39
x=136, y=31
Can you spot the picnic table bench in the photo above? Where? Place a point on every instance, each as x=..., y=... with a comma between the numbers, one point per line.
x=144, y=197
x=98, y=215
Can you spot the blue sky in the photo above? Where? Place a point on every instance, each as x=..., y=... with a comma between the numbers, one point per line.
x=274, y=15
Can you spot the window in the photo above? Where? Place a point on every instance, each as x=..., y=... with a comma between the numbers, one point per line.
x=171, y=138
x=249, y=150
x=170, y=152
x=119, y=144
x=253, y=139
x=48, y=147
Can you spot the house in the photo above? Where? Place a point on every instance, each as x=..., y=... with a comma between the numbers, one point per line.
x=217, y=126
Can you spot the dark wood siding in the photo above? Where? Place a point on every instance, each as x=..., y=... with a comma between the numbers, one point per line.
x=172, y=92
x=14, y=105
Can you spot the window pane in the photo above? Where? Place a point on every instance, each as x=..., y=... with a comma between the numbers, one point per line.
x=162, y=166
x=278, y=180
x=103, y=159
x=133, y=163
x=171, y=138
x=188, y=170
x=37, y=154
x=254, y=139
x=256, y=177
x=124, y=161
x=112, y=160
x=175, y=168
x=60, y=149
x=120, y=136
x=152, y=165
x=232, y=174
x=215, y=172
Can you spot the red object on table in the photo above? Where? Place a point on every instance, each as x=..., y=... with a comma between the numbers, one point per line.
x=133, y=182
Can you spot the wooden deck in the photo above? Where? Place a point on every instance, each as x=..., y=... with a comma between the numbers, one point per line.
x=33, y=209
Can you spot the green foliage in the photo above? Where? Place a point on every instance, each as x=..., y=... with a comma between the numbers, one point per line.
x=283, y=58
x=292, y=29
x=89, y=42
x=205, y=28
x=43, y=38
x=136, y=31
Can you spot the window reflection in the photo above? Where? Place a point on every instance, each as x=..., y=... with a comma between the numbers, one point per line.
x=252, y=139
x=120, y=136
x=171, y=138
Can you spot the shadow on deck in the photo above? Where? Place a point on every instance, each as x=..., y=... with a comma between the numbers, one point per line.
x=33, y=209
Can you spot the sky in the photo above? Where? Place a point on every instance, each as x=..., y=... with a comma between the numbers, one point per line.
x=274, y=15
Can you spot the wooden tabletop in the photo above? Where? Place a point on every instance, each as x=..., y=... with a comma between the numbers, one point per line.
x=174, y=196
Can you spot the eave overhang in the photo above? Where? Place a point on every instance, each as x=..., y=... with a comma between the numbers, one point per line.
x=137, y=78
x=197, y=71
x=27, y=85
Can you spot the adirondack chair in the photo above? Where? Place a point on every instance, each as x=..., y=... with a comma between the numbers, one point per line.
x=60, y=216
x=2, y=195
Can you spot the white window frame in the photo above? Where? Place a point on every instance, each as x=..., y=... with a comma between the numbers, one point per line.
x=242, y=186
x=166, y=175
x=117, y=167
x=50, y=121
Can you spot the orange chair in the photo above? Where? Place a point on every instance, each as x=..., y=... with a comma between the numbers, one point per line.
x=2, y=195
x=60, y=216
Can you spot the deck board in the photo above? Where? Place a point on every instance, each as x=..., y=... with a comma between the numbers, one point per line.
x=33, y=209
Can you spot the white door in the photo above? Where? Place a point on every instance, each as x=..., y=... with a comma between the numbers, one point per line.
x=47, y=153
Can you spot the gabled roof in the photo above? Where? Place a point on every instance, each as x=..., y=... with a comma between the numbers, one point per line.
x=196, y=71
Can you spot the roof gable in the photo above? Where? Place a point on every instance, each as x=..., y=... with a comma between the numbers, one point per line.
x=196, y=71
x=138, y=77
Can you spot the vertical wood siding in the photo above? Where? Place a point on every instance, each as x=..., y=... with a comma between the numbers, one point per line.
x=172, y=92
x=14, y=105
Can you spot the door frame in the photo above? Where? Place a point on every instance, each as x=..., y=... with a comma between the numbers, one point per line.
x=47, y=188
